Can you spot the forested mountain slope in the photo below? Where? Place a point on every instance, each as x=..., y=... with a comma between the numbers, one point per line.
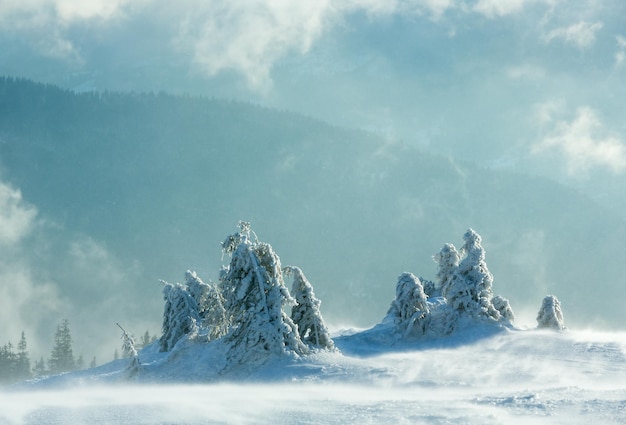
x=159, y=179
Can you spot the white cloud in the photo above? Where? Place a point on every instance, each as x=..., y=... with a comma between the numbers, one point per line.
x=71, y=10
x=250, y=36
x=16, y=216
x=25, y=301
x=583, y=142
x=44, y=24
x=436, y=8
x=493, y=8
x=244, y=36
x=32, y=12
x=581, y=35
x=500, y=8
x=247, y=37
x=525, y=72
x=44, y=278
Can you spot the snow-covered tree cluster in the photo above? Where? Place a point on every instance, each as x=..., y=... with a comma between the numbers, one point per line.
x=246, y=310
x=253, y=314
x=461, y=294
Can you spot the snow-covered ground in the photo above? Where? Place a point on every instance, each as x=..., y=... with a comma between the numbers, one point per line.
x=481, y=376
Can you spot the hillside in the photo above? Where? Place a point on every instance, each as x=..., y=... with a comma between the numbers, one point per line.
x=159, y=180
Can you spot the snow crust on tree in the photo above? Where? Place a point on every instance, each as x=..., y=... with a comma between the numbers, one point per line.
x=469, y=291
x=210, y=305
x=448, y=260
x=180, y=315
x=255, y=295
x=129, y=351
x=306, y=312
x=128, y=345
x=550, y=315
x=504, y=308
x=410, y=311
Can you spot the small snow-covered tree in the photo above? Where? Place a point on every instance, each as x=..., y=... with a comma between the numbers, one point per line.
x=504, y=308
x=128, y=344
x=180, y=315
x=306, y=313
x=255, y=295
x=431, y=289
x=129, y=351
x=448, y=260
x=198, y=290
x=210, y=305
x=409, y=310
x=550, y=315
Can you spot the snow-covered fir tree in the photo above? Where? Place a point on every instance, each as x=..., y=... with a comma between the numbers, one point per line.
x=128, y=344
x=469, y=292
x=431, y=289
x=210, y=305
x=448, y=260
x=410, y=311
x=255, y=295
x=306, y=313
x=130, y=352
x=471, y=287
x=180, y=315
x=550, y=315
x=504, y=308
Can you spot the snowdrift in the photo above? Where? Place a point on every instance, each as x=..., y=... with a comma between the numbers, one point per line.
x=485, y=375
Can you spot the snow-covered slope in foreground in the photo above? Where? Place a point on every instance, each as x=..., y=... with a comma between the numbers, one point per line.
x=480, y=377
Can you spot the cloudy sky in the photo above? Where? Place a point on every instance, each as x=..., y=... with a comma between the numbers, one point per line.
x=535, y=86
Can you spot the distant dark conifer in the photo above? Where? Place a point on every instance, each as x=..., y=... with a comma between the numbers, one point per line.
x=62, y=358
